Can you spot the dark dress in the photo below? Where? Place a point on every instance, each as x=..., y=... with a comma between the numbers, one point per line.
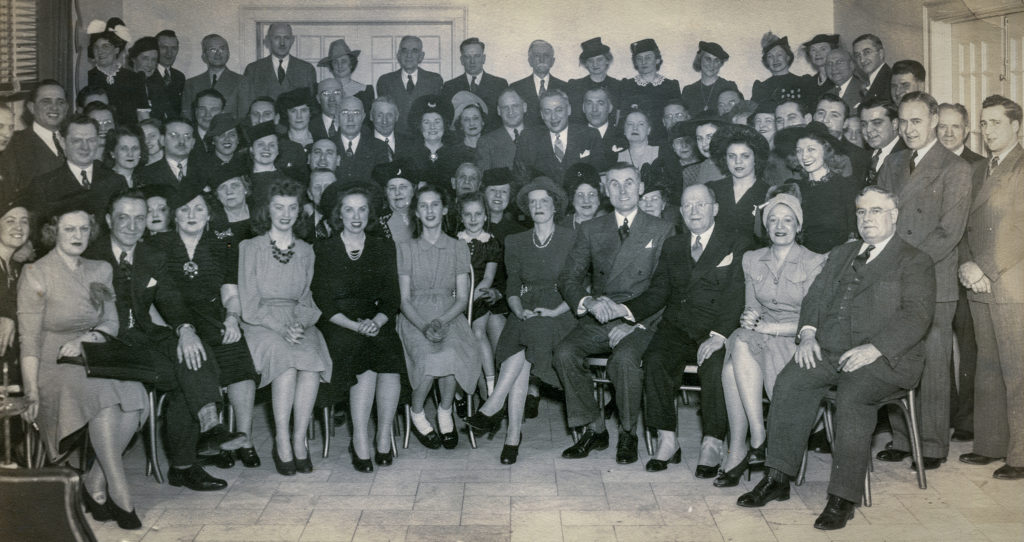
x=737, y=217
x=698, y=97
x=358, y=288
x=435, y=169
x=532, y=277
x=649, y=98
x=127, y=93
x=780, y=88
x=480, y=254
x=231, y=233
x=829, y=212
x=215, y=264
x=9, y=272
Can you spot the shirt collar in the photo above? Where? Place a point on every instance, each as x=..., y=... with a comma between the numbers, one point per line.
x=842, y=88
x=879, y=247
x=77, y=172
x=174, y=164
x=537, y=80
x=601, y=129
x=511, y=131
x=283, y=62
x=479, y=76
x=415, y=76
x=959, y=151
x=631, y=216
x=327, y=120
x=885, y=151
x=925, y=150
x=564, y=133
x=117, y=250
x=45, y=135
x=703, y=237
x=345, y=140
x=874, y=74
x=657, y=81
x=1002, y=156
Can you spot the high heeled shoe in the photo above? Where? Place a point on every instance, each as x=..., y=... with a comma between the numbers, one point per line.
x=128, y=521
x=384, y=459
x=99, y=511
x=304, y=465
x=756, y=456
x=510, y=452
x=484, y=424
x=358, y=463
x=284, y=468
x=731, y=478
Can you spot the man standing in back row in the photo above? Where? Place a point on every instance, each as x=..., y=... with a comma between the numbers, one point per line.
x=408, y=82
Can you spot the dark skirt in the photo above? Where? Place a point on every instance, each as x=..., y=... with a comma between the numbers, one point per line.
x=354, y=354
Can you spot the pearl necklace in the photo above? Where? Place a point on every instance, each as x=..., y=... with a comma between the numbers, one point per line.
x=537, y=242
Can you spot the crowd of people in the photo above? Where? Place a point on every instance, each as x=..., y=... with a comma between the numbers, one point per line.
x=362, y=245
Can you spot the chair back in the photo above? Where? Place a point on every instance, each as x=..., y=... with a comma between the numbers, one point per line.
x=42, y=504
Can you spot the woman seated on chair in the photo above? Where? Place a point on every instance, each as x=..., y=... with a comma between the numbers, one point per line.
x=205, y=271
x=278, y=317
x=433, y=278
x=542, y=318
x=63, y=301
x=356, y=282
x=777, y=278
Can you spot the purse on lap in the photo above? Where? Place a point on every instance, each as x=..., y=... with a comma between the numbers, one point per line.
x=113, y=359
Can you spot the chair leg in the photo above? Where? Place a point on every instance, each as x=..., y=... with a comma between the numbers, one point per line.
x=231, y=418
x=867, y=483
x=311, y=431
x=408, y=425
x=648, y=441
x=328, y=422
x=394, y=430
x=470, y=407
x=909, y=408
x=803, y=470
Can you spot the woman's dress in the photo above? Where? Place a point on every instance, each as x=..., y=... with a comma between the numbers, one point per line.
x=533, y=277
x=829, y=213
x=432, y=269
x=275, y=294
x=698, y=97
x=781, y=88
x=57, y=304
x=126, y=91
x=480, y=254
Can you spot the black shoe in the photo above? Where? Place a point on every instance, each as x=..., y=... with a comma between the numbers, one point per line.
x=771, y=488
x=588, y=441
x=510, y=452
x=960, y=435
x=248, y=457
x=461, y=407
x=430, y=440
x=731, y=478
x=892, y=455
x=930, y=463
x=304, y=465
x=128, y=521
x=194, y=478
x=450, y=440
x=284, y=468
x=485, y=424
x=532, y=409
x=218, y=438
x=835, y=515
x=384, y=459
x=625, y=452
x=756, y=456
x=358, y=463
x=657, y=465
x=99, y=511
x=706, y=471
x=223, y=460
x=1006, y=472
x=977, y=459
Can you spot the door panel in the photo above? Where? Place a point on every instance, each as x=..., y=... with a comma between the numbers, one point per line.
x=977, y=67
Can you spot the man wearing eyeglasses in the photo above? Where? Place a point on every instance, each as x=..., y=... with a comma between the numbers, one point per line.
x=280, y=71
x=215, y=54
x=359, y=151
x=862, y=328
x=934, y=189
x=177, y=137
x=329, y=95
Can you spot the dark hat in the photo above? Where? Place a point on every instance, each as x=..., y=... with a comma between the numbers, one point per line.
x=769, y=41
x=329, y=198
x=429, y=103
x=70, y=204
x=642, y=46
x=593, y=47
x=221, y=123
x=186, y=193
x=400, y=168
x=20, y=200
x=682, y=129
x=581, y=173
x=262, y=130
x=653, y=178
x=713, y=49
x=767, y=106
x=338, y=49
x=831, y=39
x=497, y=177
x=293, y=98
x=221, y=173
x=147, y=43
x=542, y=183
x=165, y=191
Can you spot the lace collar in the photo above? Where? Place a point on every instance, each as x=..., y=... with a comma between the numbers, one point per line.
x=643, y=82
x=483, y=236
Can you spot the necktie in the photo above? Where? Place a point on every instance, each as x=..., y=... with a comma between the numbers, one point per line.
x=515, y=135
x=332, y=132
x=85, y=180
x=872, y=176
x=181, y=171
x=543, y=88
x=409, y=84
x=559, y=148
x=57, y=145
x=349, y=152
x=391, y=152
x=913, y=161
x=167, y=76
x=862, y=258
x=213, y=81
x=697, y=249
x=472, y=84
x=124, y=271
x=624, y=229
x=280, y=72
x=321, y=229
x=874, y=159
x=992, y=165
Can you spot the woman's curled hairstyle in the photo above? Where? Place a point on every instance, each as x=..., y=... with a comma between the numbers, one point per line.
x=282, y=185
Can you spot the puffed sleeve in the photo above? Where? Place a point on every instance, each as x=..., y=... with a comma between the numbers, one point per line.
x=31, y=306
x=462, y=260
x=306, y=311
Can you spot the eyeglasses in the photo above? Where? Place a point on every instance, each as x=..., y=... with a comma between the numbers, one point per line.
x=332, y=93
x=700, y=205
x=873, y=212
x=350, y=113
x=675, y=116
x=216, y=50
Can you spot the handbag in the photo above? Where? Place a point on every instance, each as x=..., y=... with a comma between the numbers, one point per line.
x=114, y=359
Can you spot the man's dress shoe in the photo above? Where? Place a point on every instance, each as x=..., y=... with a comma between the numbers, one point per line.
x=1006, y=472
x=218, y=438
x=194, y=478
x=767, y=490
x=977, y=459
x=587, y=442
x=705, y=471
x=837, y=512
x=891, y=455
x=626, y=450
x=930, y=463
x=657, y=465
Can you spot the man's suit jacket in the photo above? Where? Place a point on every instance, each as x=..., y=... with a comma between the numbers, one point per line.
x=488, y=88
x=32, y=157
x=994, y=238
x=698, y=297
x=535, y=154
x=860, y=158
x=260, y=78
x=934, y=201
x=393, y=84
x=61, y=184
x=318, y=130
x=174, y=90
x=891, y=306
x=229, y=84
x=527, y=90
x=621, y=270
x=367, y=155
x=880, y=86
x=971, y=156
x=853, y=94
x=496, y=149
x=160, y=172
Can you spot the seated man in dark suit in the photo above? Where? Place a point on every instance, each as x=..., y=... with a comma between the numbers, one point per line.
x=79, y=175
x=497, y=148
x=862, y=329
x=38, y=148
x=954, y=129
x=699, y=284
x=541, y=56
x=215, y=54
x=408, y=82
x=383, y=116
x=186, y=370
x=617, y=254
x=359, y=152
x=178, y=139
x=173, y=79
x=551, y=148
x=488, y=87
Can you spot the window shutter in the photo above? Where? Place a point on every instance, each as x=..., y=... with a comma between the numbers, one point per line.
x=19, y=68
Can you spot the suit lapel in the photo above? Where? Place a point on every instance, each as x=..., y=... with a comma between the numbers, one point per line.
x=883, y=264
x=639, y=237
x=714, y=252
x=924, y=174
x=991, y=181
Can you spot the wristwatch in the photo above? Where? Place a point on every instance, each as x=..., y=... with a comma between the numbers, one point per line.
x=183, y=326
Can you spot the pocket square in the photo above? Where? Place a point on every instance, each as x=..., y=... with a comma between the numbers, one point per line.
x=725, y=261
x=650, y=244
x=151, y=283
x=584, y=154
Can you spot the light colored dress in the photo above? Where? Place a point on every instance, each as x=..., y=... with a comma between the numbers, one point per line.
x=777, y=298
x=274, y=294
x=432, y=269
x=55, y=305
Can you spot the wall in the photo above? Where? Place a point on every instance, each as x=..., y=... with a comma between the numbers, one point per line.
x=898, y=23
x=508, y=27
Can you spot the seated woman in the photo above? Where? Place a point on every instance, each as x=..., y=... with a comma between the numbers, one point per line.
x=542, y=319
x=485, y=257
x=279, y=317
x=744, y=154
x=398, y=189
x=433, y=278
x=777, y=279
x=231, y=221
x=342, y=61
x=583, y=184
x=470, y=112
x=63, y=301
x=124, y=152
x=205, y=271
x=14, y=233
x=826, y=194
x=294, y=108
x=356, y=283
x=637, y=129
x=777, y=57
x=702, y=95
x=158, y=214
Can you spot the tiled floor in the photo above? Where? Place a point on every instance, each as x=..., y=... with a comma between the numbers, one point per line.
x=466, y=494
